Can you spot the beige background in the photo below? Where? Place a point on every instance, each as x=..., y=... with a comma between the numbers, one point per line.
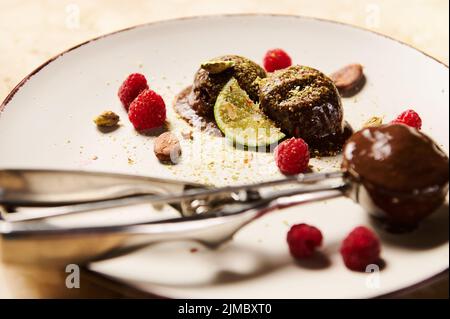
x=32, y=31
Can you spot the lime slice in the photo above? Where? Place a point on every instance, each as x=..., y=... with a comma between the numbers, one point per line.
x=241, y=120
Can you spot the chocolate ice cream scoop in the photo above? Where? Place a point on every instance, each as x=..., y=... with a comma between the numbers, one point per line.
x=401, y=174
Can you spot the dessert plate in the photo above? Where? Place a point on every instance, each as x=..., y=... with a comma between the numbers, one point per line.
x=46, y=122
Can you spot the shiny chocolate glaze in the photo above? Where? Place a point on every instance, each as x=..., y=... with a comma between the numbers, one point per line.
x=403, y=172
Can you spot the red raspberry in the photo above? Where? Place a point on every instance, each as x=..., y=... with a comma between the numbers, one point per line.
x=147, y=111
x=410, y=118
x=360, y=249
x=292, y=156
x=276, y=59
x=303, y=240
x=133, y=85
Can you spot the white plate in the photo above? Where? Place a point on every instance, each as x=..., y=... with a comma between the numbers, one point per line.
x=47, y=122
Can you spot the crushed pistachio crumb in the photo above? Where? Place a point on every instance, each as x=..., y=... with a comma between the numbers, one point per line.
x=374, y=121
x=217, y=66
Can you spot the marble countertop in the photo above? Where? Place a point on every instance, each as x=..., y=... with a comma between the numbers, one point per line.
x=31, y=32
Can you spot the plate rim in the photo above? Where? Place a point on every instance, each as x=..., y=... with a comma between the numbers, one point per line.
x=396, y=293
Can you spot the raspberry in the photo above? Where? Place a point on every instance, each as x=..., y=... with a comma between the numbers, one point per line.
x=292, y=156
x=410, y=118
x=147, y=111
x=276, y=59
x=133, y=85
x=360, y=249
x=303, y=240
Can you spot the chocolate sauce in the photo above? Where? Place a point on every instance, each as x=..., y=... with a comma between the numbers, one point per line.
x=404, y=173
x=332, y=144
x=186, y=112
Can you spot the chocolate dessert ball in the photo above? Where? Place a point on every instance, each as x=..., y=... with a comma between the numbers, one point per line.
x=403, y=173
x=209, y=82
x=304, y=103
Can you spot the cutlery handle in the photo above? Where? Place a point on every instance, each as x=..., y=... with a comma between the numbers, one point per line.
x=21, y=187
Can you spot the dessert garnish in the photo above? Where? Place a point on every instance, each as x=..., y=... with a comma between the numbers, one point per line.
x=276, y=59
x=240, y=119
x=360, y=249
x=374, y=121
x=303, y=240
x=403, y=172
x=292, y=156
x=167, y=148
x=147, y=111
x=217, y=66
x=133, y=85
x=349, y=80
x=410, y=118
x=107, y=119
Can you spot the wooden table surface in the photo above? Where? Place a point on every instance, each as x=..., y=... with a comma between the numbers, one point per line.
x=33, y=31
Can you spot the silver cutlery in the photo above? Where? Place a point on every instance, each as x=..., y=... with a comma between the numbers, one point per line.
x=31, y=199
